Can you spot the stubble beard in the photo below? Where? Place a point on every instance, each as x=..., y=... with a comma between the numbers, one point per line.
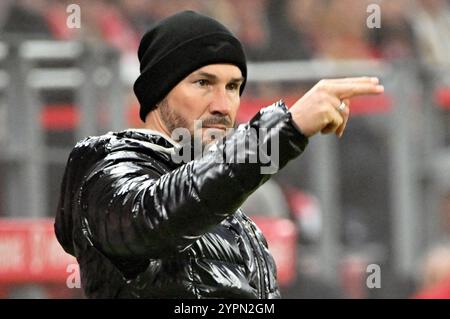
x=172, y=120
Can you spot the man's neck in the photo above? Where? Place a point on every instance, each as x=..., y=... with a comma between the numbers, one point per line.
x=153, y=122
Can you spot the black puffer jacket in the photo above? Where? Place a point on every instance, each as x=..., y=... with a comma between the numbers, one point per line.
x=142, y=226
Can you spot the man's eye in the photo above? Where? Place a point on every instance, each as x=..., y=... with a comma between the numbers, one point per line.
x=232, y=86
x=202, y=82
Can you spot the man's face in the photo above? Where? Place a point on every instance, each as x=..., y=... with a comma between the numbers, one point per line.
x=209, y=94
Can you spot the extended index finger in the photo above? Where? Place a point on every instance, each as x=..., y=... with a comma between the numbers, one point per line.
x=348, y=90
x=361, y=79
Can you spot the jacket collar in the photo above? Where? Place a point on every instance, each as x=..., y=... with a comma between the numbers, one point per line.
x=152, y=134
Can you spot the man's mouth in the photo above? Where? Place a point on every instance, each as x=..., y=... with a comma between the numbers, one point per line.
x=218, y=127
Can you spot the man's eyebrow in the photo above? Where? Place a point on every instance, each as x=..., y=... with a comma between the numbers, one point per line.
x=214, y=77
x=239, y=79
x=206, y=75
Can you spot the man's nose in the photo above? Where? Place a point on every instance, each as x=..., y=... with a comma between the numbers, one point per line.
x=221, y=102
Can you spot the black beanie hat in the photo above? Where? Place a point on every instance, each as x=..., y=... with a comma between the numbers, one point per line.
x=177, y=46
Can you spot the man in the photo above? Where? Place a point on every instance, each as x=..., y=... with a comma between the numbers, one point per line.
x=142, y=224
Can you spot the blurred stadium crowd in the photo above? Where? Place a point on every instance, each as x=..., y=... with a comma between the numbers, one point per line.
x=269, y=29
